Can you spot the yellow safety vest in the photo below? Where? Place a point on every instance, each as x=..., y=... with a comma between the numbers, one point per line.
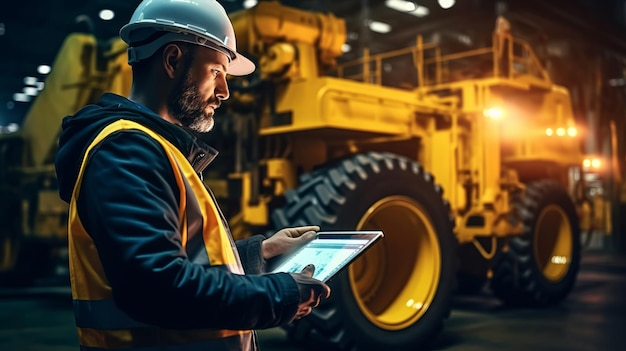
x=100, y=324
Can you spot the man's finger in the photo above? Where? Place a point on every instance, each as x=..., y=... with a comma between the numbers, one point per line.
x=317, y=302
x=299, y=231
x=307, y=228
x=308, y=236
x=308, y=270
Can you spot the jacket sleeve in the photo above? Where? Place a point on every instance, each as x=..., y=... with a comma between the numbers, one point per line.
x=250, y=253
x=128, y=203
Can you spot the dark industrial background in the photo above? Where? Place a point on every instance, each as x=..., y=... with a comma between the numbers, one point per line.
x=574, y=36
x=582, y=43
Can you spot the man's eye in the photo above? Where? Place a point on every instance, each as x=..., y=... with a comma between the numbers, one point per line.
x=216, y=72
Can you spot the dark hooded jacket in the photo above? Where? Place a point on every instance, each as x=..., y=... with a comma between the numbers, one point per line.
x=128, y=205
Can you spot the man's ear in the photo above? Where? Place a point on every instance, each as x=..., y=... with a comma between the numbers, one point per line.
x=172, y=60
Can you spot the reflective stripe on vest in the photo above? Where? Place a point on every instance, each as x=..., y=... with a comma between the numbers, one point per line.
x=100, y=324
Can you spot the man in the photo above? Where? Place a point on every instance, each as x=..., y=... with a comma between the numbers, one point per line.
x=152, y=263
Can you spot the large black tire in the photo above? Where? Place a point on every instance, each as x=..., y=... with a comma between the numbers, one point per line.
x=397, y=295
x=540, y=266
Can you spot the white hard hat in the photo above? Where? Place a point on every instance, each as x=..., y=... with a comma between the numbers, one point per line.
x=203, y=22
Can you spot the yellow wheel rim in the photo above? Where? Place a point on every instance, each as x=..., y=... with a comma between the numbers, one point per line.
x=395, y=282
x=553, y=243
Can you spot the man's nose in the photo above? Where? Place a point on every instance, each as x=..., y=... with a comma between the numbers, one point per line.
x=221, y=90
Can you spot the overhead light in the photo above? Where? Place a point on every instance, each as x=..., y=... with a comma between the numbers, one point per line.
x=21, y=97
x=446, y=4
x=40, y=85
x=31, y=91
x=106, y=15
x=465, y=39
x=30, y=81
x=379, y=27
x=409, y=7
x=43, y=69
x=13, y=127
x=10, y=128
x=346, y=48
x=249, y=3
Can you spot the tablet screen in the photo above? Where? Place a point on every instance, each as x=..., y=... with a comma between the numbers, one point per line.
x=329, y=252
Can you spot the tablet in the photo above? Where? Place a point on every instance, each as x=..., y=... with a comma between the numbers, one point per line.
x=329, y=252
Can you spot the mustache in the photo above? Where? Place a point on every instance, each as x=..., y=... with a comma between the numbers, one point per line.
x=213, y=102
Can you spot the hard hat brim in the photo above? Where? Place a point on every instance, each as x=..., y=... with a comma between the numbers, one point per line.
x=241, y=66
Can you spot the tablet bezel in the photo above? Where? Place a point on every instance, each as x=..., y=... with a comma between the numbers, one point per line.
x=372, y=237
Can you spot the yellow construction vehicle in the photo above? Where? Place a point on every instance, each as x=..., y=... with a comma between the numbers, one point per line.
x=34, y=234
x=319, y=142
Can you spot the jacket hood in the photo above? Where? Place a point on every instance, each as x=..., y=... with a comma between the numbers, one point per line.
x=79, y=130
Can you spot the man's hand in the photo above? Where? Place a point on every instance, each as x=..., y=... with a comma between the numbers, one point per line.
x=287, y=239
x=312, y=291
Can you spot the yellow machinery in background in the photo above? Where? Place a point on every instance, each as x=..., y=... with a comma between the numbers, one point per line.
x=309, y=141
x=34, y=232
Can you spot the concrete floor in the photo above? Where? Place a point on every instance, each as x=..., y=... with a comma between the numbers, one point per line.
x=593, y=318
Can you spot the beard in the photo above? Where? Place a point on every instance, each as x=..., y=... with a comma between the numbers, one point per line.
x=187, y=105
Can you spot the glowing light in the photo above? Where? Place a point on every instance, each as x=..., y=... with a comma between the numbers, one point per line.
x=106, y=15
x=30, y=80
x=13, y=127
x=10, y=128
x=31, y=91
x=494, y=113
x=559, y=259
x=572, y=131
x=409, y=7
x=21, y=97
x=249, y=3
x=592, y=163
x=465, y=39
x=346, y=48
x=44, y=69
x=549, y=131
x=379, y=27
x=446, y=4
x=595, y=163
x=560, y=131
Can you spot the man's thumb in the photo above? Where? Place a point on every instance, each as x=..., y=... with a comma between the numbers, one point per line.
x=308, y=270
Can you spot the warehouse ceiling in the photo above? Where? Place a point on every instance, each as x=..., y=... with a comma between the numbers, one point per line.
x=32, y=31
